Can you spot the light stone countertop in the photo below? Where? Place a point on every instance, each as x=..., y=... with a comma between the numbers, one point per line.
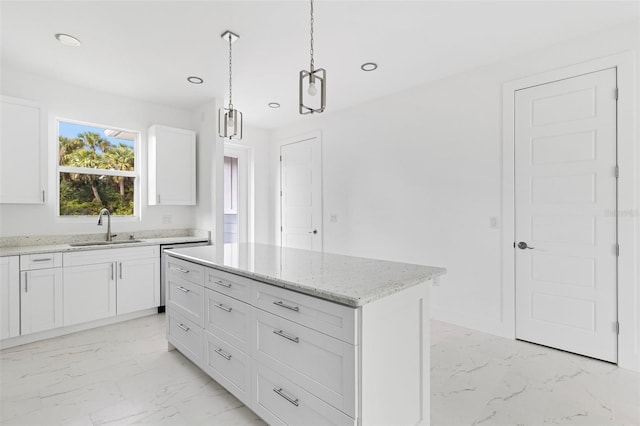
x=65, y=247
x=348, y=280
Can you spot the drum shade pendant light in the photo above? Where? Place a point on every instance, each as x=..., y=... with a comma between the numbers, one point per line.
x=230, y=119
x=312, y=84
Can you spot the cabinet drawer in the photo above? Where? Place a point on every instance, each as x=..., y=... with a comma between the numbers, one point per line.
x=229, y=284
x=229, y=319
x=280, y=402
x=40, y=261
x=186, y=336
x=186, y=270
x=229, y=366
x=321, y=364
x=330, y=318
x=186, y=298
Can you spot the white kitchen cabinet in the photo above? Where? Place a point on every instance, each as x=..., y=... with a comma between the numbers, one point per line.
x=9, y=297
x=137, y=285
x=172, y=166
x=103, y=283
x=22, y=152
x=89, y=292
x=313, y=361
x=40, y=300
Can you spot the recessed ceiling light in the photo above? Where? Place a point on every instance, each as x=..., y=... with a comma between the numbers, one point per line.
x=369, y=66
x=68, y=40
x=274, y=105
x=195, y=80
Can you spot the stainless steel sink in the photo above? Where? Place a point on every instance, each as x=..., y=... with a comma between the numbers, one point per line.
x=103, y=243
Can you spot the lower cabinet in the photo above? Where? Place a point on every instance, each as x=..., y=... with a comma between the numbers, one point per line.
x=138, y=285
x=295, y=359
x=89, y=293
x=102, y=283
x=9, y=297
x=41, y=300
x=290, y=369
x=40, y=292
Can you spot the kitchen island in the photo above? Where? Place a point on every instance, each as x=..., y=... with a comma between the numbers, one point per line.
x=305, y=337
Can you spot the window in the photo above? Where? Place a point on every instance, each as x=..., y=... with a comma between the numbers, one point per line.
x=96, y=169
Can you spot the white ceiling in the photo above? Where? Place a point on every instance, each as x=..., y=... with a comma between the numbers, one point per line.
x=146, y=49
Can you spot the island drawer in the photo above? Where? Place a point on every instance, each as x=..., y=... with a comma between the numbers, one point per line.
x=323, y=365
x=229, y=284
x=229, y=319
x=281, y=402
x=229, y=366
x=186, y=270
x=327, y=317
x=40, y=261
x=186, y=298
x=186, y=336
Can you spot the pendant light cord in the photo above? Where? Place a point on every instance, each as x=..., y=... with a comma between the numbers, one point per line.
x=311, y=50
x=230, y=80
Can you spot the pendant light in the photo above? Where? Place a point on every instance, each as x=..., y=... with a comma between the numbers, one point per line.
x=312, y=83
x=230, y=119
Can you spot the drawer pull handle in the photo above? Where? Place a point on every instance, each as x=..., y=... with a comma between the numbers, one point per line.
x=223, y=307
x=222, y=283
x=286, y=336
x=287, y=397
x=186, y=290
x=223, y=354
x=182, y=326
x=46, y=259
x=184, y=271
x=284, y=305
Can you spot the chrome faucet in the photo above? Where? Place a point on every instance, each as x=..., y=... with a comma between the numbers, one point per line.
x=103, y=212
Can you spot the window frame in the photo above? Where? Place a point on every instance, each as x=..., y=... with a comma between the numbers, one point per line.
x=137, y=196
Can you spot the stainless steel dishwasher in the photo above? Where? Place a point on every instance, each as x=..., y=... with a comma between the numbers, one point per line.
x=163, y=272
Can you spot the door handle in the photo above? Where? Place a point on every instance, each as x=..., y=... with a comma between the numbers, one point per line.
x=315, y=231
x=522, y=246
x=120, y=270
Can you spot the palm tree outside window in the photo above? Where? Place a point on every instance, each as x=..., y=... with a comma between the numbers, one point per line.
x=97, y=169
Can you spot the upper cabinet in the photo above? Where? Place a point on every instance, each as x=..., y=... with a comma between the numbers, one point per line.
x=22, y=152
x=172, y=166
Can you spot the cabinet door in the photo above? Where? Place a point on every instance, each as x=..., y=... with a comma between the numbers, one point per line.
x=9, y=297
x=172, y=166
x=21, y=153
x=41, y=300
x=89, y=292
x=138, y=285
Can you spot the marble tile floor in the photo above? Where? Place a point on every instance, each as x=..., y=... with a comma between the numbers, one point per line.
x=123, y=374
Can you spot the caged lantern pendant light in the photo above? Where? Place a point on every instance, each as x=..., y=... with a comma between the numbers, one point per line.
x=314, y=81
x=230, y=119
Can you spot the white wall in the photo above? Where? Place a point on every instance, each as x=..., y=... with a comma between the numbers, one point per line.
x=416, y=176
x=63, y=100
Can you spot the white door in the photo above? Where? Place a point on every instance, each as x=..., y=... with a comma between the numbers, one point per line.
x=9, y=296
x=565, y=200
x=301, y=195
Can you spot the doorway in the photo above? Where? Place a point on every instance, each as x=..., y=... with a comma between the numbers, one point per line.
x=301, y=194
x=565, y=248
x=237, y=185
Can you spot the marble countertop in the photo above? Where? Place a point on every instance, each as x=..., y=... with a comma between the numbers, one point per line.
x=351, y=281
x=65, y=247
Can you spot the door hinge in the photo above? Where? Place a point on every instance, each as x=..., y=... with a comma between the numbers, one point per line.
x=617, y=249
x=514, y=244
x=615, y=93
x=281, y=193
x=281, y=229
x=617, y=171
x=281, y=158
x=616, y=327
